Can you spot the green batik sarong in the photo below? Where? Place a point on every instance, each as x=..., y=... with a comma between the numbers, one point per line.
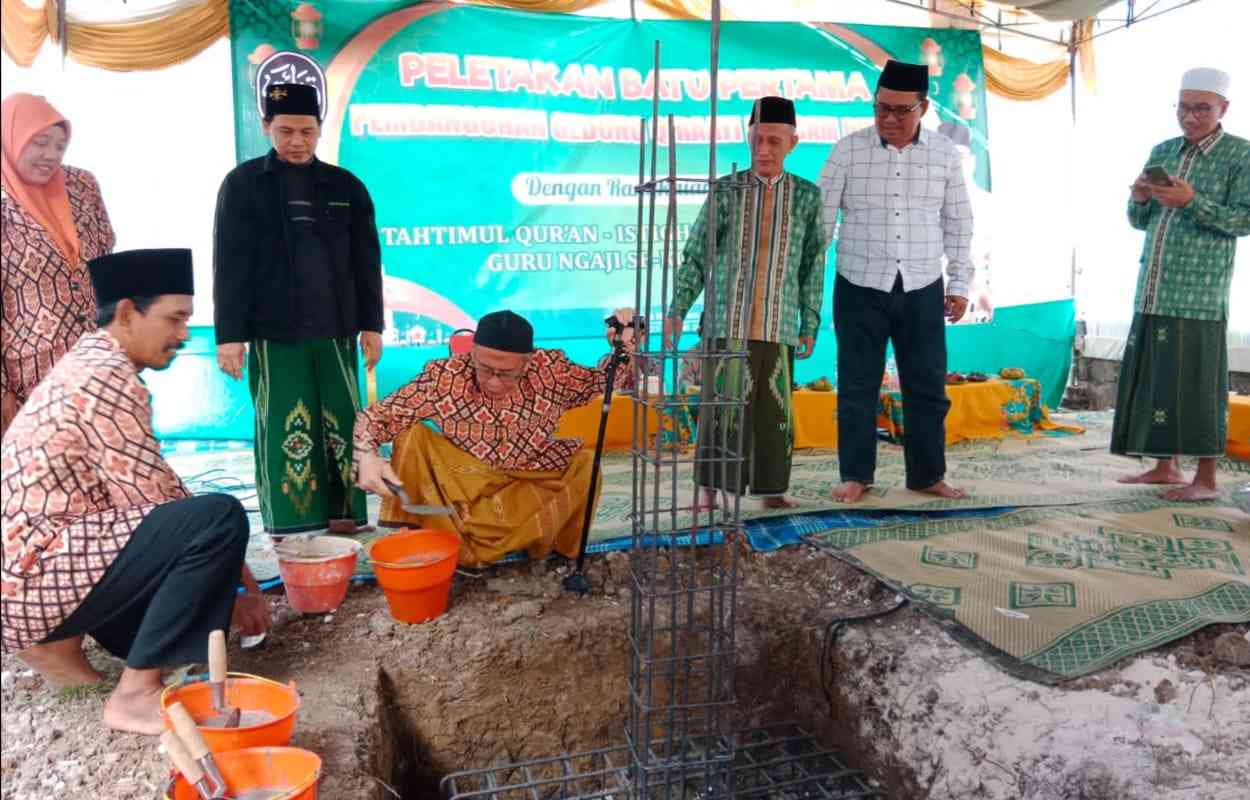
x=767, y=421
x=306, y=396
x=1173, y=393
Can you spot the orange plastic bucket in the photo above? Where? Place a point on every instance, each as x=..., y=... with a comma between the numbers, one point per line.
x=316, y=572
x=286, y=769
x=414, y=569
x=274, y=703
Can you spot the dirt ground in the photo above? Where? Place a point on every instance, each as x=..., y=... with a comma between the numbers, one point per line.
x=520, y=669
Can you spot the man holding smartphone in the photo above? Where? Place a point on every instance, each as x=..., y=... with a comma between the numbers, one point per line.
x=1193, y=202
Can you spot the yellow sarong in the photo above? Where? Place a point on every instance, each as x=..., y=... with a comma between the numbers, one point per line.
x=495, y=511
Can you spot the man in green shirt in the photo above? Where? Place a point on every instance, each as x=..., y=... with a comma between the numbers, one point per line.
x=769, y=278
x=1193, y=202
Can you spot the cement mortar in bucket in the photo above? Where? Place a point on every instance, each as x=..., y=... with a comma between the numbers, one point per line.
x=414, y=569
x=316, y=571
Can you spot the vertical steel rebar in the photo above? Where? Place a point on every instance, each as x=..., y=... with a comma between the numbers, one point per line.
x=681, y=658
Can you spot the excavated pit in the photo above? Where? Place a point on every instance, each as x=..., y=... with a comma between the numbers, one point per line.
x=547, y=676
x=520, y=670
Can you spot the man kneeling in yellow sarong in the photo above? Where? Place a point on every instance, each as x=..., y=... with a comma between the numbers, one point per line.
x=505, y=481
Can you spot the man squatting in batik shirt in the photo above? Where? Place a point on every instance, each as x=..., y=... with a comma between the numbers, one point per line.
x=770, y=275
x=100, y=536
x=297, y=275
x=1173, y=392
x=510, y=484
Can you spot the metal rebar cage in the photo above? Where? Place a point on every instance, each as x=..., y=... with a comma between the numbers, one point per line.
x=683, y=562
x=680, y=736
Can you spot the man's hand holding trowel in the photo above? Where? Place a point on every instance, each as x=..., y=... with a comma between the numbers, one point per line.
x=375, y=475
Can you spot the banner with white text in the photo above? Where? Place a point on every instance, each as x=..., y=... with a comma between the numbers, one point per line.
x=501, y=147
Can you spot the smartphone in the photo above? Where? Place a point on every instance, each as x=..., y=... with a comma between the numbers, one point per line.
x=1158, y=176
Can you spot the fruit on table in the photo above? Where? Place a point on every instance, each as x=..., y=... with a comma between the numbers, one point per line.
x=821, y=384
x=1011, y=373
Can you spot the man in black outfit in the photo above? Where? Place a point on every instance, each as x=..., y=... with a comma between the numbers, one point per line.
x=297, y=277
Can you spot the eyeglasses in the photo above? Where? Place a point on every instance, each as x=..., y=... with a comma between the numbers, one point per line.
x=1200, y=111
x=505, y=375
x=898, y=112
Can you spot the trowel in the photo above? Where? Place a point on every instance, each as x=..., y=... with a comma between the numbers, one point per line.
x=187, y=766
x=407, y=505
x=227, y=716
x=197, y=748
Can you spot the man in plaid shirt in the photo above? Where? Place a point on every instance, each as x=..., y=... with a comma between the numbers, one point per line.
x=904, y=205
x=1193, y=202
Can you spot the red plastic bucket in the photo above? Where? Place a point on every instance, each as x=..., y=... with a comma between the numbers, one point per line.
x=316, y=572
x=414, y=569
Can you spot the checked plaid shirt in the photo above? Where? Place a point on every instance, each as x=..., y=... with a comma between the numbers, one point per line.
x=902, y=211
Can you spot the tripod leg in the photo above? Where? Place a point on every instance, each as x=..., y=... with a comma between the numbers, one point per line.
x=577, y=582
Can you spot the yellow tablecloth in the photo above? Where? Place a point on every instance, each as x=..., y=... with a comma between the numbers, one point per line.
x=815, y=419
x=1239, y=427
x=989, y=410
x=583, y=422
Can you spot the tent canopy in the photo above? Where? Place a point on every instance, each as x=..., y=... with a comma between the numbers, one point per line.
x=1064, y=10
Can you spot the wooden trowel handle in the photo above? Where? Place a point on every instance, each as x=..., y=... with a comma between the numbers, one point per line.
x=180, y=758
x=217, y=656
x=187, y=730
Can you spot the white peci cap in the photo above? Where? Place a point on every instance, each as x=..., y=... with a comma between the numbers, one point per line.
x=1206, y=79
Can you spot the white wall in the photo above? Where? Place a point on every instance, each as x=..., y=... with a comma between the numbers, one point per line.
x=159, y=143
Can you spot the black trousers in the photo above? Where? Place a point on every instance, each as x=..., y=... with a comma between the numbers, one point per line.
x=915, y=322
x=173, y=583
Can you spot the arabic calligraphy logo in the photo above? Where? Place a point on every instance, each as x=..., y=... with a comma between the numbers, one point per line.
x=288, y=66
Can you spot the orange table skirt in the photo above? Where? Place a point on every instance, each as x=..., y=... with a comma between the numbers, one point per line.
x=815, y=419
x=1239, y=427
x=989, y=410
x=583, y=423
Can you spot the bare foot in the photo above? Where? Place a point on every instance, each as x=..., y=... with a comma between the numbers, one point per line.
x=780, y=501
x=62, y=663
x=1165, y=473
x=1193, y=493
x=137, y=711
x=944, y=489
x=347, y=527
x=705, y=500
x=849, y=491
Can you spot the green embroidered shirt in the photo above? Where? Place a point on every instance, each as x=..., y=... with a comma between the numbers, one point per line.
x=1187, y=260
x=787, y=291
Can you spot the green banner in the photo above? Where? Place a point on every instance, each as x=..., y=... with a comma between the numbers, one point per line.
x=501, y=148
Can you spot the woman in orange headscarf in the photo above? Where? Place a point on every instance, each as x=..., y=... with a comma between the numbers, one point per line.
x=52, y=222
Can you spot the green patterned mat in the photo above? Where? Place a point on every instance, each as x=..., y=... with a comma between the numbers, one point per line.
x=996, y=473
x=1045, y=471
x=1054, y=593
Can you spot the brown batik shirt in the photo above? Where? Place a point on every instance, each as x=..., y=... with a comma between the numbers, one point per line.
x=48, y=302
x=79, y=470
x=514, y=433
